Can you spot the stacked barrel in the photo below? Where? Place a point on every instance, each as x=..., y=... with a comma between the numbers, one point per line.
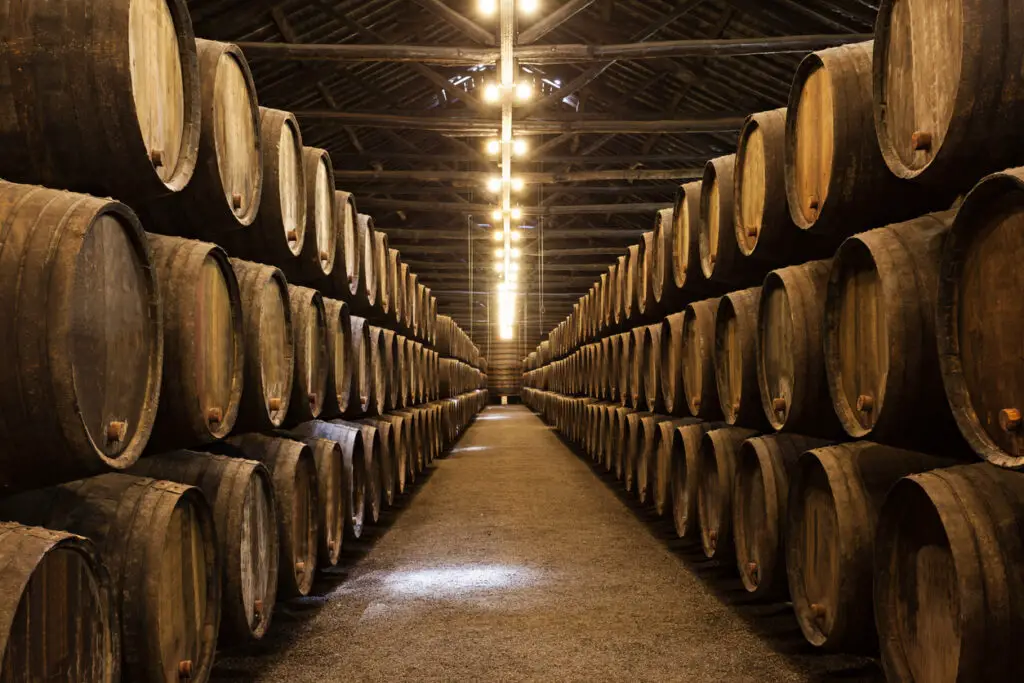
x=196, y=418
x=803, y=362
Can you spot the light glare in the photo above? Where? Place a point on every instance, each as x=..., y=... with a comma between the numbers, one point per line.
x=491, y=93
x=493, y=147
x=494, y=184
x=496, y=214
x=529, y=6
x=524, y=91
x=500, y=253
x=488, y=7
x=518, y=184
x=519, y=148
x=516, y=235
x=498, y=235
x=517, y=213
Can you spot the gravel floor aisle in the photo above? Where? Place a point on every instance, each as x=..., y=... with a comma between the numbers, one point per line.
x=514, y=561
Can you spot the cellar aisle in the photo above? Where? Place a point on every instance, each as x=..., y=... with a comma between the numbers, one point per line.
x=515, y=562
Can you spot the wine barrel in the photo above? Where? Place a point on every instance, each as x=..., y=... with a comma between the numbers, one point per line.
x=348, y=271
x=645, y=463
x=224, y=193
x=632, y=443
x=368, y=240
x=84, y=335
x=761, y=496
x=278, y=231
x=763, y=225
x=837, y=183
x=645, y=303
x=410, y=298
x=879, y=335
x=653, y=394
x=637, y=366
x=947, y=91
x=605, y=430
x=835, y=496
x=373, y=468
x=391, y=378
x=157, y=539
x=380, y=371
x=735, y=356
x=269, y=349
x=721, y=260
x=413, y=443
x=339, y=358
x=979, y=345
x=671, y=363
x=947, y=576
x=349, y=437
x=630, y=285
x=399, y=426
x=312, y=358
x=388, y=458
x=616, y=291
x=362, y=370
x=790, y=366
x=686, y=269
x=397, y=292
x=123, y=120
x=402, y=370
x=662, y=283
x=296, y=506
x=686, y=445
x=719, y=452
x=330, y=485
x=698, y=359
x=615, y=458
x=241, y=495
x=59, y=575
x=380, y=260
x=315, y=263
x=660, y=468
x=203, y=358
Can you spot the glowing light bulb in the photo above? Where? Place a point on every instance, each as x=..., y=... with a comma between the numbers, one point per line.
x=498, y=235
x=499, y=267
x=500, y=253
x=506, y=333
x=514, y=267
x=524, y=91
x=491, y=93
x=493, y=147
x=496, y=214
x=517, y=213
x=528, y=6
x=494, y=184
x=516, y=235
x=519, y=148
x=515, y=252
x=487, y=7
x=518, y=184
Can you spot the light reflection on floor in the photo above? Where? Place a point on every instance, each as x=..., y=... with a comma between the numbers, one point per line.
x=468, y=449
x=458, y=582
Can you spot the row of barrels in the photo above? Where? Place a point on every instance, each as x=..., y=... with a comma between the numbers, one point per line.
x=873, y=133
x=877, y=548
x=170, y=125
x=906, y=336
x=122, y=340
x=140, y=576
x=453, y=342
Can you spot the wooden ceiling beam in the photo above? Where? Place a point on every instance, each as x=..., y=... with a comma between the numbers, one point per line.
x=485, y=209
x=530, y=178
x=465, y=25
x=552, y=20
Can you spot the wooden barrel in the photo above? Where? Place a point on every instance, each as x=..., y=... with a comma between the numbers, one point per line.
x=59, y=575
x=763, y=225
x=837, y=183
x=790, y=366
x=637, y=360
x=203, y=358
x=615, y=459
x=735, y=356
x=362, y=370
x=616, y=292
x=330, y=486
x=698, y=359
x=349, y=437
x=157, y=540
x=630, y=285
x=402, y=370
x=224, y=193
x=947, y=91
x=835, y=496
x=393, y=378
x=686, y=270
x=123, y=120
x=719, y=453
x=381, y=251
x=671, y=363
x=296, y=506
x=761, y=498
x=413, y=443
x=399, y=451
x=978, y=341
x=660, y=468
x=947, y=562
x=662, y=283
x=645, y=303
x=879, y=335
x=368, y=240
x=339, y=358
x=410, y=299
x=348, y=262
x=269, y=349
x=380, y=370
x=721, y=260
x=83, y=332
x=686, y=445
x=421, y=305
x=388, y=458
x=604, y=430
x=397, y=292
x=632, y=443
x=241, y=495
x=315, y=263
x=312, y=357
x=645, y=462
x=653, y=394
x=373, y=468
x=278, y=231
